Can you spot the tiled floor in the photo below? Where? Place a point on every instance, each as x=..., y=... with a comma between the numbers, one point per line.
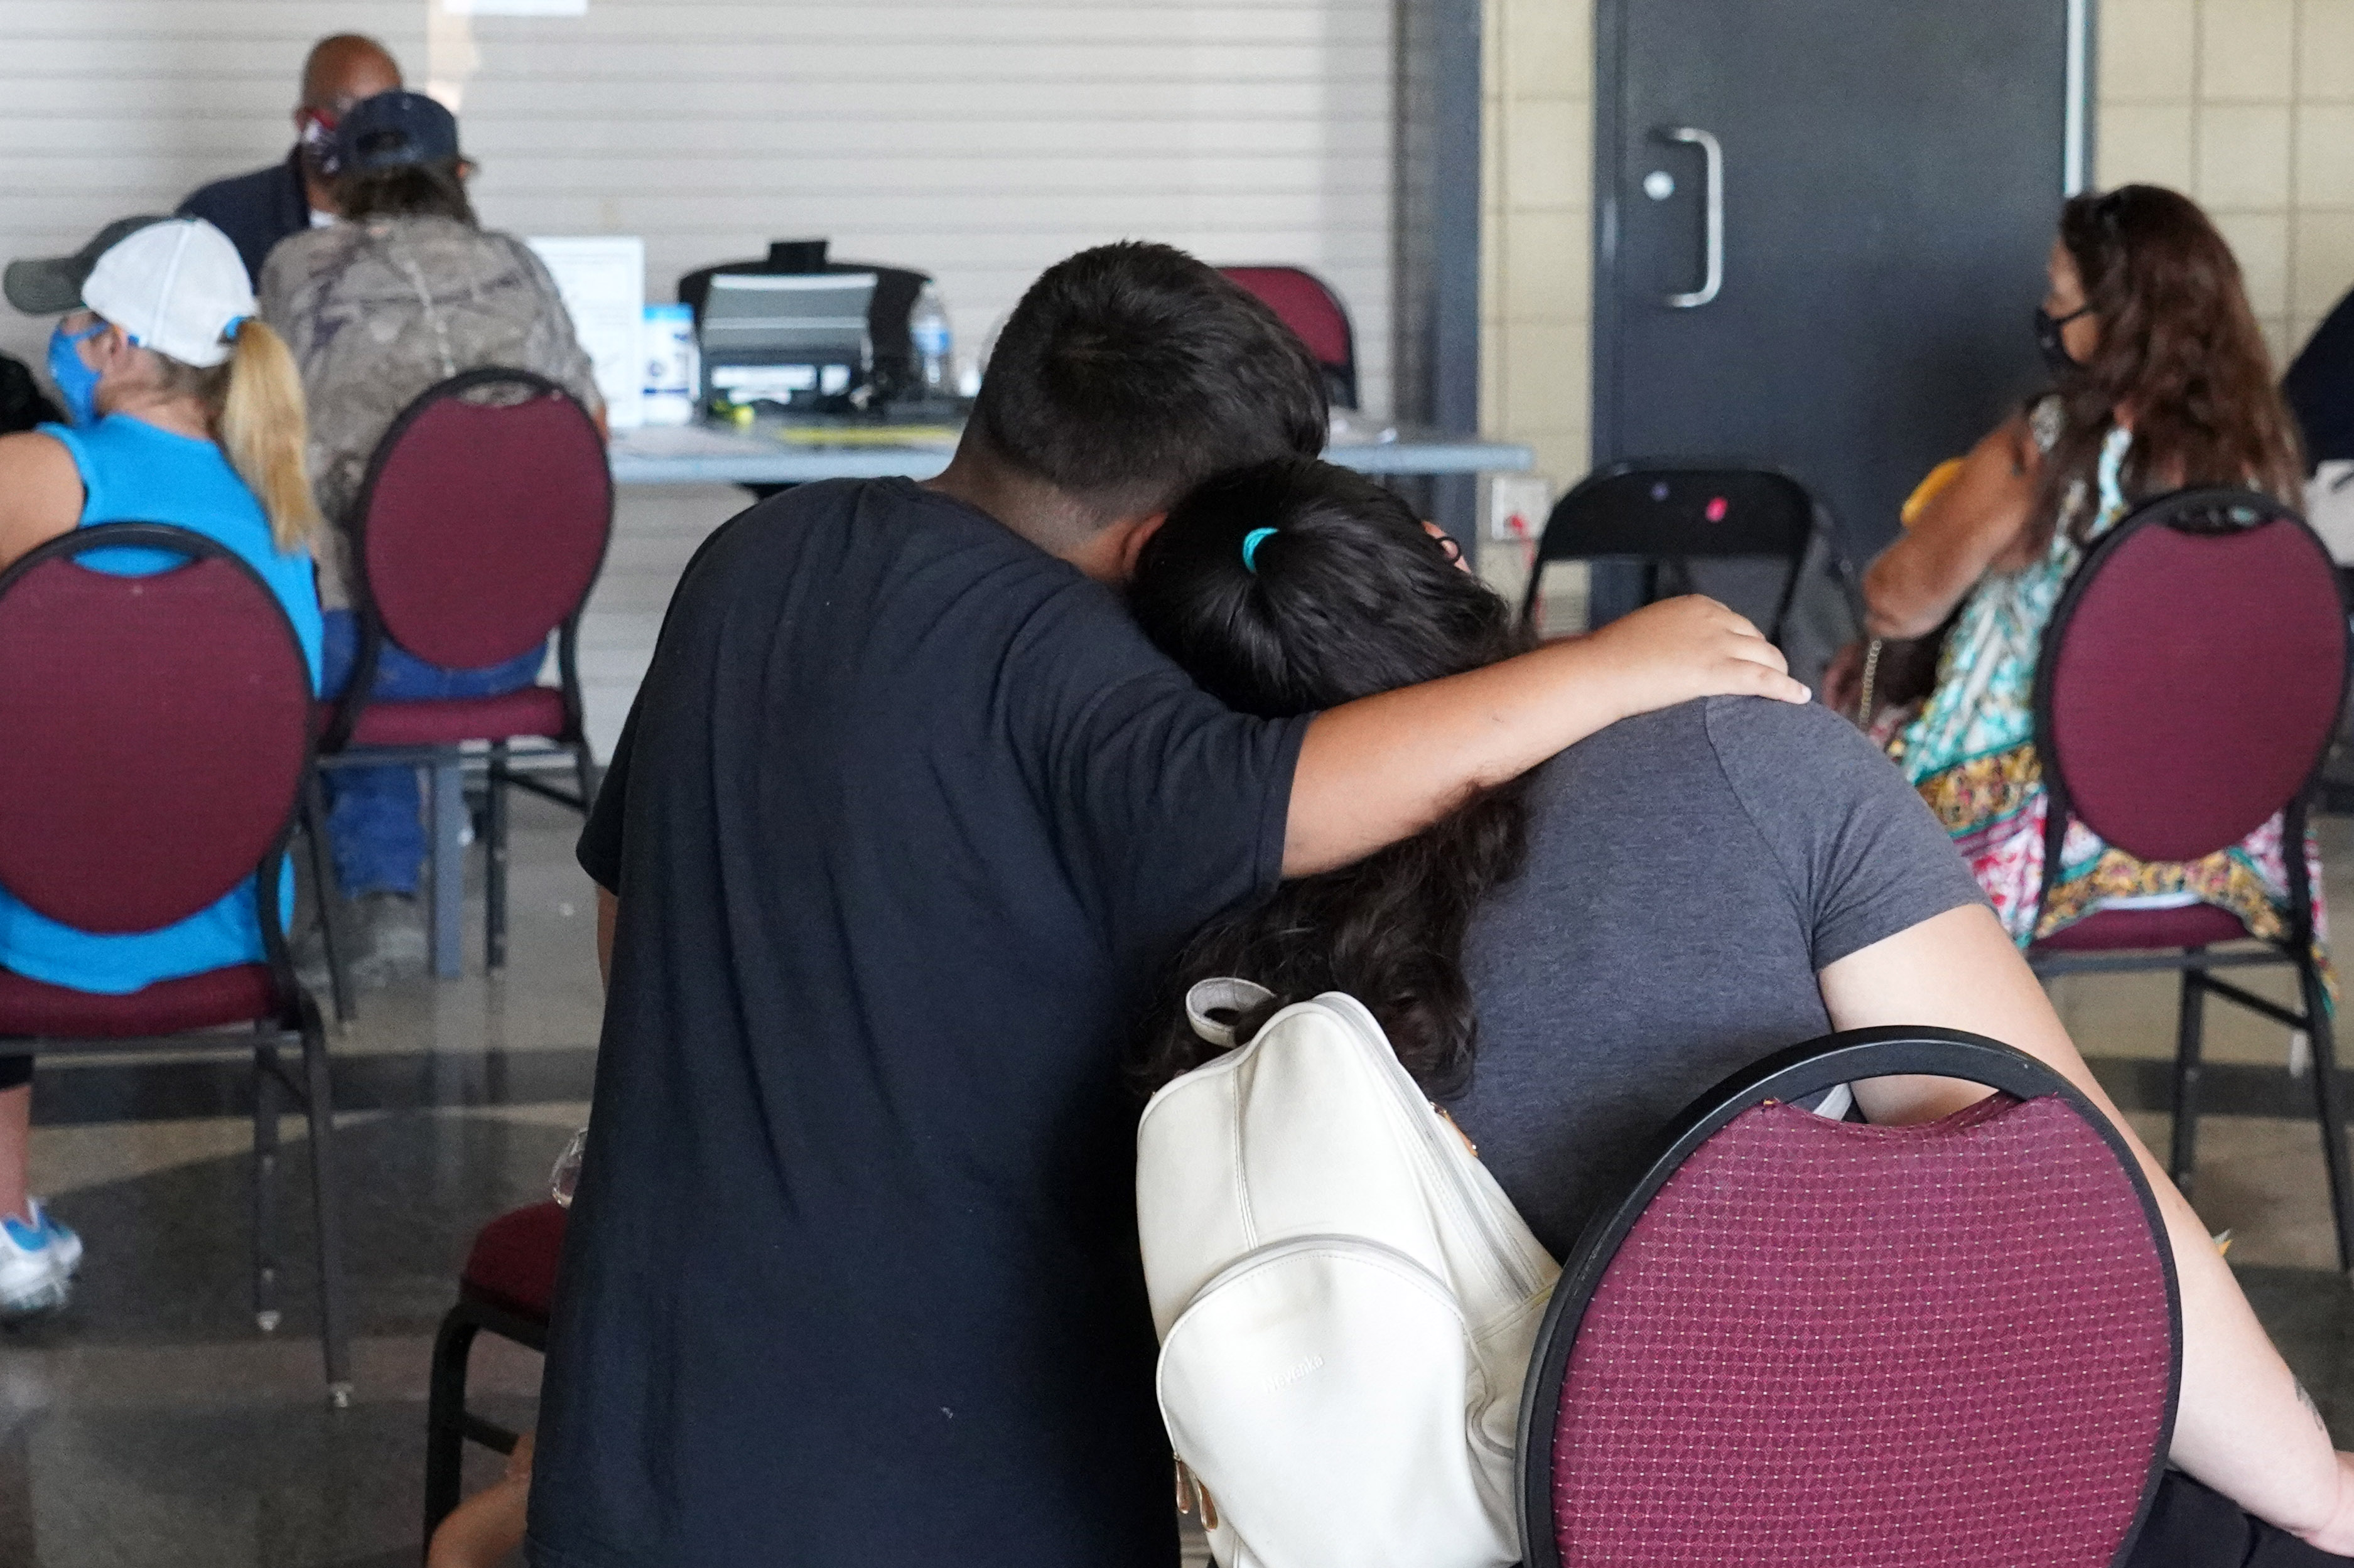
x=152, y=1426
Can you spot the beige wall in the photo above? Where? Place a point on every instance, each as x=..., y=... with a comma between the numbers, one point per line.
x=1536, y=244
x=2249, y=106
x=2246, y=104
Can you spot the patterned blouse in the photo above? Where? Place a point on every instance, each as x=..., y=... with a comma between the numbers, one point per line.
x=1970, y=751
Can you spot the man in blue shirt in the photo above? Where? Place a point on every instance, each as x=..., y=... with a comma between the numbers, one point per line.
x=258, y=210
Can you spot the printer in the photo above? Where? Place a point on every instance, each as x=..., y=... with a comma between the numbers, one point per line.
x=798, y=332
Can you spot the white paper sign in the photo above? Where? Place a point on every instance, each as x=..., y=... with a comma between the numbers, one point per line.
x=602, y=278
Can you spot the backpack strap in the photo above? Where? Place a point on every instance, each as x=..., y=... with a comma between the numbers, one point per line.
x=1226, y=995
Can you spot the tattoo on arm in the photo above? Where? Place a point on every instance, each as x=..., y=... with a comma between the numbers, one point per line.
x=2311, y=1409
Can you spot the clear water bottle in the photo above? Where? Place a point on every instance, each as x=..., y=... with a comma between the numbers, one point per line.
x=928, y=324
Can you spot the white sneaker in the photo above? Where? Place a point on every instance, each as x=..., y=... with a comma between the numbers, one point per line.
x=33, y=1267
x=63, y=1239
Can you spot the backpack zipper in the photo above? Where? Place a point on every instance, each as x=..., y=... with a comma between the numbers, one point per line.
x=1521, y=1275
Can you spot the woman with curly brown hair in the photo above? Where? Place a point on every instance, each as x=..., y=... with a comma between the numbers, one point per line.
x=2162, y=381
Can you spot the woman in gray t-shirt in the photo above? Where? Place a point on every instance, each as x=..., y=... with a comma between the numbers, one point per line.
x=1571, y=957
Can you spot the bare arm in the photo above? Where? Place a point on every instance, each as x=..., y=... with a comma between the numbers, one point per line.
x=1382, y=768
x=41, y=494
x=1916, y=581
x=609, y=914
x=2243, y=1425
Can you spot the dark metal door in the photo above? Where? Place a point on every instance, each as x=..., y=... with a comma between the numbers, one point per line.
x=1821, y=227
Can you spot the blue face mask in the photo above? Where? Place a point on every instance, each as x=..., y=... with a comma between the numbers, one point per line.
x=76, y=382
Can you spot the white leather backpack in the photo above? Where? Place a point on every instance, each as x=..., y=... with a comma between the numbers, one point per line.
x=1345, y=1298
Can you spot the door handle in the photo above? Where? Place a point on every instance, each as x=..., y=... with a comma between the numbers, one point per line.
x=1712, y=155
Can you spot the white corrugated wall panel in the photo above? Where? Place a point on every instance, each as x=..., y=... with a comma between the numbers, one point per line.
x=978, y=140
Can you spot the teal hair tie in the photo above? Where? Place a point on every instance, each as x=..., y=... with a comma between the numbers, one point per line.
x=1251, y=542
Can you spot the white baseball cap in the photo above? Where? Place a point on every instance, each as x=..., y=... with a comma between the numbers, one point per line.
x=177, y=288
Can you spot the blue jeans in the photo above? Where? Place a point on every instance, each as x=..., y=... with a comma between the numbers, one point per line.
x=373, y=813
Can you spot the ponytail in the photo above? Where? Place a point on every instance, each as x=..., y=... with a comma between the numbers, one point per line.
x=264, y=430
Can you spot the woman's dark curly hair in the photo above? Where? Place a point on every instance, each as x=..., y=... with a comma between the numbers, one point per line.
x=1345, y=594
x=2179, y=350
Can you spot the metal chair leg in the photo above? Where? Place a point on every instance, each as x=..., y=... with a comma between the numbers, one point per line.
x=265, y=1186
x=330, y=896
x=494, y=861
x=447, y=813
x=585, y=772
x=2325, y=1103
x=335, y=1334
x=445, y=1417
x=2190, y=1032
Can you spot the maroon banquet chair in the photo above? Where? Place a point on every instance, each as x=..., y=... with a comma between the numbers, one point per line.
x=507, y=1287
x=480, y=531
x=158, y=740
x=1805, y=1341
x=2188, y=689
x=1310, y=307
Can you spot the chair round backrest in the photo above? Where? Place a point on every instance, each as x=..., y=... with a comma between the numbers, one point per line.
x=1306, y=304
x=485, y=519
x=1805, y=1341
x=157, y=728
x=1691, y=511
x=1662, y=510
x=2192, y=675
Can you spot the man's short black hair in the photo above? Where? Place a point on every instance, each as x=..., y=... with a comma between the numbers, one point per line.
x=1131, y=372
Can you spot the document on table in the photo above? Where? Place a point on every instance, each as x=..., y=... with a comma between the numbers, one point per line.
x=602, y=278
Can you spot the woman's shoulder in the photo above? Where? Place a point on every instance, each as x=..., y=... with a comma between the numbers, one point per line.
x=44, y=455
x=40, y=459
x=431, y=235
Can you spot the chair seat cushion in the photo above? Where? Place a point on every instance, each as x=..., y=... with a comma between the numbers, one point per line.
x=2140, y=930
x=533, y=713
x=239, y=994
x=512, y=1265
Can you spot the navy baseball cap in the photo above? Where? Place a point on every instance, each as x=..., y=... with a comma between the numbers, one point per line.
x=395, y=129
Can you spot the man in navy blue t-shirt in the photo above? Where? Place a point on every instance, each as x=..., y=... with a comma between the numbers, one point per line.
x=907, y=818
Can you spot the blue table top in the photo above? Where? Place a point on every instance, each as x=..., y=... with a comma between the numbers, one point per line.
x=792, y=453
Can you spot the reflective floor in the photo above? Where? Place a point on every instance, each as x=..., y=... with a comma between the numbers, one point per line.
x=152, y=1426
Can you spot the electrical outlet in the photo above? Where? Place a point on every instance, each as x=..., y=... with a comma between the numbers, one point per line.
x=1516, y=505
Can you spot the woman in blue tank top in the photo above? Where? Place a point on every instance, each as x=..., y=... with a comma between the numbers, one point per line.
x=186, y=410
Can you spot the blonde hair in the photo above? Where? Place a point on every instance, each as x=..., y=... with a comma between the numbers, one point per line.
x=254, y=405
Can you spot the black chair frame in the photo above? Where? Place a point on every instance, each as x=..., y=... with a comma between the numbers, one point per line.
x=449, y=1425
x=1796, y=1073
x=2211, y=510
x=296, y=1024
x=498, y=773
x=1628, y=542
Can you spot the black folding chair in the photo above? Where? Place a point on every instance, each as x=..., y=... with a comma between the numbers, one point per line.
x=1656, y=511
